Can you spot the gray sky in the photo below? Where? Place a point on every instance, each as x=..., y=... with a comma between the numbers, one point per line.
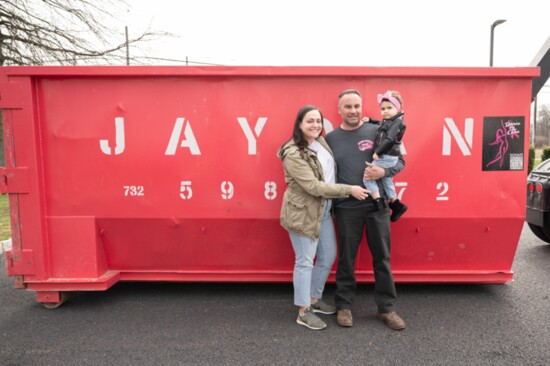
x=345, y=33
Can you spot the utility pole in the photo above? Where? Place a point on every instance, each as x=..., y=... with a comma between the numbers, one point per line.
x=127, y=47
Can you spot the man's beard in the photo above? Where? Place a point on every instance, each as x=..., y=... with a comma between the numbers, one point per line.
x=352, y=124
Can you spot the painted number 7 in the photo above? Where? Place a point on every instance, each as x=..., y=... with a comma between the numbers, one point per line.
x=403, y=186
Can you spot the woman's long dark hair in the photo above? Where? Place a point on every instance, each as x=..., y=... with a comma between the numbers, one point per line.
x=297, y=134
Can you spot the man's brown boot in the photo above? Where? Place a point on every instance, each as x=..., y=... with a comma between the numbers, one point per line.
x=344, y=318
x=392, y=320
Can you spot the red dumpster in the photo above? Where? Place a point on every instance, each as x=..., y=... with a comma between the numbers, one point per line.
x=171, y=174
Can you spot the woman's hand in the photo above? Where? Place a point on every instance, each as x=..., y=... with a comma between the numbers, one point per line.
x=359, y=192
x=365, y=119
x=375, y=157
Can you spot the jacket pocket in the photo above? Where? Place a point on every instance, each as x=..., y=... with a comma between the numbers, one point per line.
x=295, y=215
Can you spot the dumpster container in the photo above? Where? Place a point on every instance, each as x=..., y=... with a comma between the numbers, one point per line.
x=538, y=201
x=170, y=173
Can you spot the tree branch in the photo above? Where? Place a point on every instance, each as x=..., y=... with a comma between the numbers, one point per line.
x=61, y=31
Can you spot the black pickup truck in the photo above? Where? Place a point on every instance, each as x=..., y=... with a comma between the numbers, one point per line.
x=538, y=201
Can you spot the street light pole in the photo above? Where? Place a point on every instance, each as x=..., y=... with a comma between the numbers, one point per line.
x=493, y=26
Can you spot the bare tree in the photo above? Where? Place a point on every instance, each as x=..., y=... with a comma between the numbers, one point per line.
x=63, y=32
x=542, y=129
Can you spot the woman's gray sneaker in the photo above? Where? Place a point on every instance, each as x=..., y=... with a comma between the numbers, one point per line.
x=322, y=307
x=311, y=320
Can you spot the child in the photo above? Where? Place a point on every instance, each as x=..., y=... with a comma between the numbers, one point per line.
x=387, y=147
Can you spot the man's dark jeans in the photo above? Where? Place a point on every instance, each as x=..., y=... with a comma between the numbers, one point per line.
x=351, y=223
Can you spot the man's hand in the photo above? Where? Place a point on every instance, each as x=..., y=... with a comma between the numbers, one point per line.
x=373, y=172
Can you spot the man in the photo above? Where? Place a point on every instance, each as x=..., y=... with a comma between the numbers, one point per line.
x=351, y=144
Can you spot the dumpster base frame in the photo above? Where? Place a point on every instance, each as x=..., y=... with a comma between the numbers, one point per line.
x=474, y=276
x=51, y=291
x=103, y=282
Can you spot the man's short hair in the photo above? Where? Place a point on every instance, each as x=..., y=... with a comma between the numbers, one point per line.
x=349, y=91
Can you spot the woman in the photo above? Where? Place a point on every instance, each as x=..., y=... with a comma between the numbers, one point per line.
x=310, y=177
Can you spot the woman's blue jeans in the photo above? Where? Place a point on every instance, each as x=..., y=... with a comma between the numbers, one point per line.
x=309, y=279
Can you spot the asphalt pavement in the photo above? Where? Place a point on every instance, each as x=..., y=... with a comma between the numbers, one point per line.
x=254, y=324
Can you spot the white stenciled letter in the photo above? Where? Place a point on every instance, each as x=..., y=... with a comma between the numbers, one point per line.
x=464, y=143
x=189, y=140
x=248, y=132
x=119, y=139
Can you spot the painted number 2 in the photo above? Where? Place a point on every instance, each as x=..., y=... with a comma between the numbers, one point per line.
x=443, y=187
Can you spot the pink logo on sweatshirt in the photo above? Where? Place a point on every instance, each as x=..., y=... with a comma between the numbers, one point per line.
x=364, y=145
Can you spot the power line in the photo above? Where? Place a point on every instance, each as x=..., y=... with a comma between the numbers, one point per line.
x=137, y=58
x=176, y=60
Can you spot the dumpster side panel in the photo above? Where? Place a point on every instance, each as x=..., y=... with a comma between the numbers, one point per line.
x=185, y=137
x=175, y=177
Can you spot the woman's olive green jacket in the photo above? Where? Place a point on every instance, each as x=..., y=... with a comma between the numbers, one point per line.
x=306, y=190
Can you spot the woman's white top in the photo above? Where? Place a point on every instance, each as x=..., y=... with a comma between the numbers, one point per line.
x=326, y=160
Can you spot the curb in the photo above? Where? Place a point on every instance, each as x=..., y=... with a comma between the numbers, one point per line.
x=5, y=245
